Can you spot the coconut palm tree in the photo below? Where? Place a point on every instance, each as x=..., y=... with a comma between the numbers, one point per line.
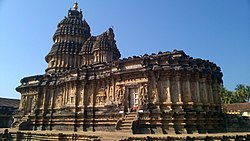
x=241, y=93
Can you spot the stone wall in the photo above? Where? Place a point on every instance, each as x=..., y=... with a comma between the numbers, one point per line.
x=191, y=138
x=21, y=136
x=170, y=89
x=126, y=137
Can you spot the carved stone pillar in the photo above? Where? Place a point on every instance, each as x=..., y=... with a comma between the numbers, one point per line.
x=90, y=94
x=168, y=94
x=203, y=91
x=51, y=98
x=216, y=93
x=167, y=114
x=150, y=87
x=70, y=61
x=179, y=114
x=199, y=120
x=176, y=94
x=188, y=94
x=161, y=93
x=75, y=61
x=215, y=88
x=113, y=88
x=52, y=105
x=63, y=94
x=81, y=93
x=208, y=104
x=155, y=84
x=106, y=86
x=188, y=104
x=66, y=60
x=210, y=92
x=84, y=95
x=85, y=104
x=69, y=92
x=186, y=91
x=78, y=96
x=44, y=98
x=197, y=92
x=178, y=88
x=66, y=92
x=165, y=99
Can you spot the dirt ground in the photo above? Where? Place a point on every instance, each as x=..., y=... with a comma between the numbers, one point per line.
x=114, y=136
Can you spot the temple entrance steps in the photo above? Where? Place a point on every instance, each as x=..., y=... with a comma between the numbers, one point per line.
x=126, y=122
x=19, y=121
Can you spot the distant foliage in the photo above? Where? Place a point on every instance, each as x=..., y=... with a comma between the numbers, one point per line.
x=240, y=95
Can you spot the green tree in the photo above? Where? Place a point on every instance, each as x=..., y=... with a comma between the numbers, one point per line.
x=241, y=94
x=248, y=93
x=226, y=96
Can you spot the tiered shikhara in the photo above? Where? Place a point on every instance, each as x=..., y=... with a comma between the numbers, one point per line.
x=87, y=87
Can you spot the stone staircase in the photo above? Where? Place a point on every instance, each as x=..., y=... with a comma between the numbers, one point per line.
x=126, y=125
x=19, y=120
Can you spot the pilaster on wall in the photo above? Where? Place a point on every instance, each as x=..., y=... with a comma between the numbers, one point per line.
x=168, y=91
x=155, y=85
x=216, y=93
x=178, y=88
x=176, y=94
x=186, y=88
x=113, y=88
x=197, y=103
x=150, y=86
x=210, y=93
x=203, y=92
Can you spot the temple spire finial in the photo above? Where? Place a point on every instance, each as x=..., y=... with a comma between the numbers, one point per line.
x=75, y=5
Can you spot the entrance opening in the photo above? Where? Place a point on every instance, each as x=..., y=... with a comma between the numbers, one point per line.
x=133, y=99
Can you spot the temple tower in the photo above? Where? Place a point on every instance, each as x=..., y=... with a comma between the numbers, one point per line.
x=68, y=39
x=104, y=49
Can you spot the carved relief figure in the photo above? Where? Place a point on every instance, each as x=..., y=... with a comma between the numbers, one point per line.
x=101, y=98
x=119, y=95
x=143, y=95
x=34, y=102
x=154, y=95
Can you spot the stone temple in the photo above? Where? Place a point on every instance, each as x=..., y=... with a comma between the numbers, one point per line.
x=87, y=87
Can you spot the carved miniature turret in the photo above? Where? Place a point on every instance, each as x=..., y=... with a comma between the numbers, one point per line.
x=100, y=49
x=104, y=49
x=68, y=39
x=86, y=52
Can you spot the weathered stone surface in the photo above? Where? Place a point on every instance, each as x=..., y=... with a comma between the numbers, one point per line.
x=87, y=87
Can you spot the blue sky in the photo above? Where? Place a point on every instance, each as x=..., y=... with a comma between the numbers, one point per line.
x=215, y=30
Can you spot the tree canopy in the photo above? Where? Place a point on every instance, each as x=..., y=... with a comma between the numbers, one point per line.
x=240, y=95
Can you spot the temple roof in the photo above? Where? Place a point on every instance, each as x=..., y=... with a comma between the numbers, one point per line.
x=243, y=107
x=6, y=102
x=71, y=26
x=65, y=27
